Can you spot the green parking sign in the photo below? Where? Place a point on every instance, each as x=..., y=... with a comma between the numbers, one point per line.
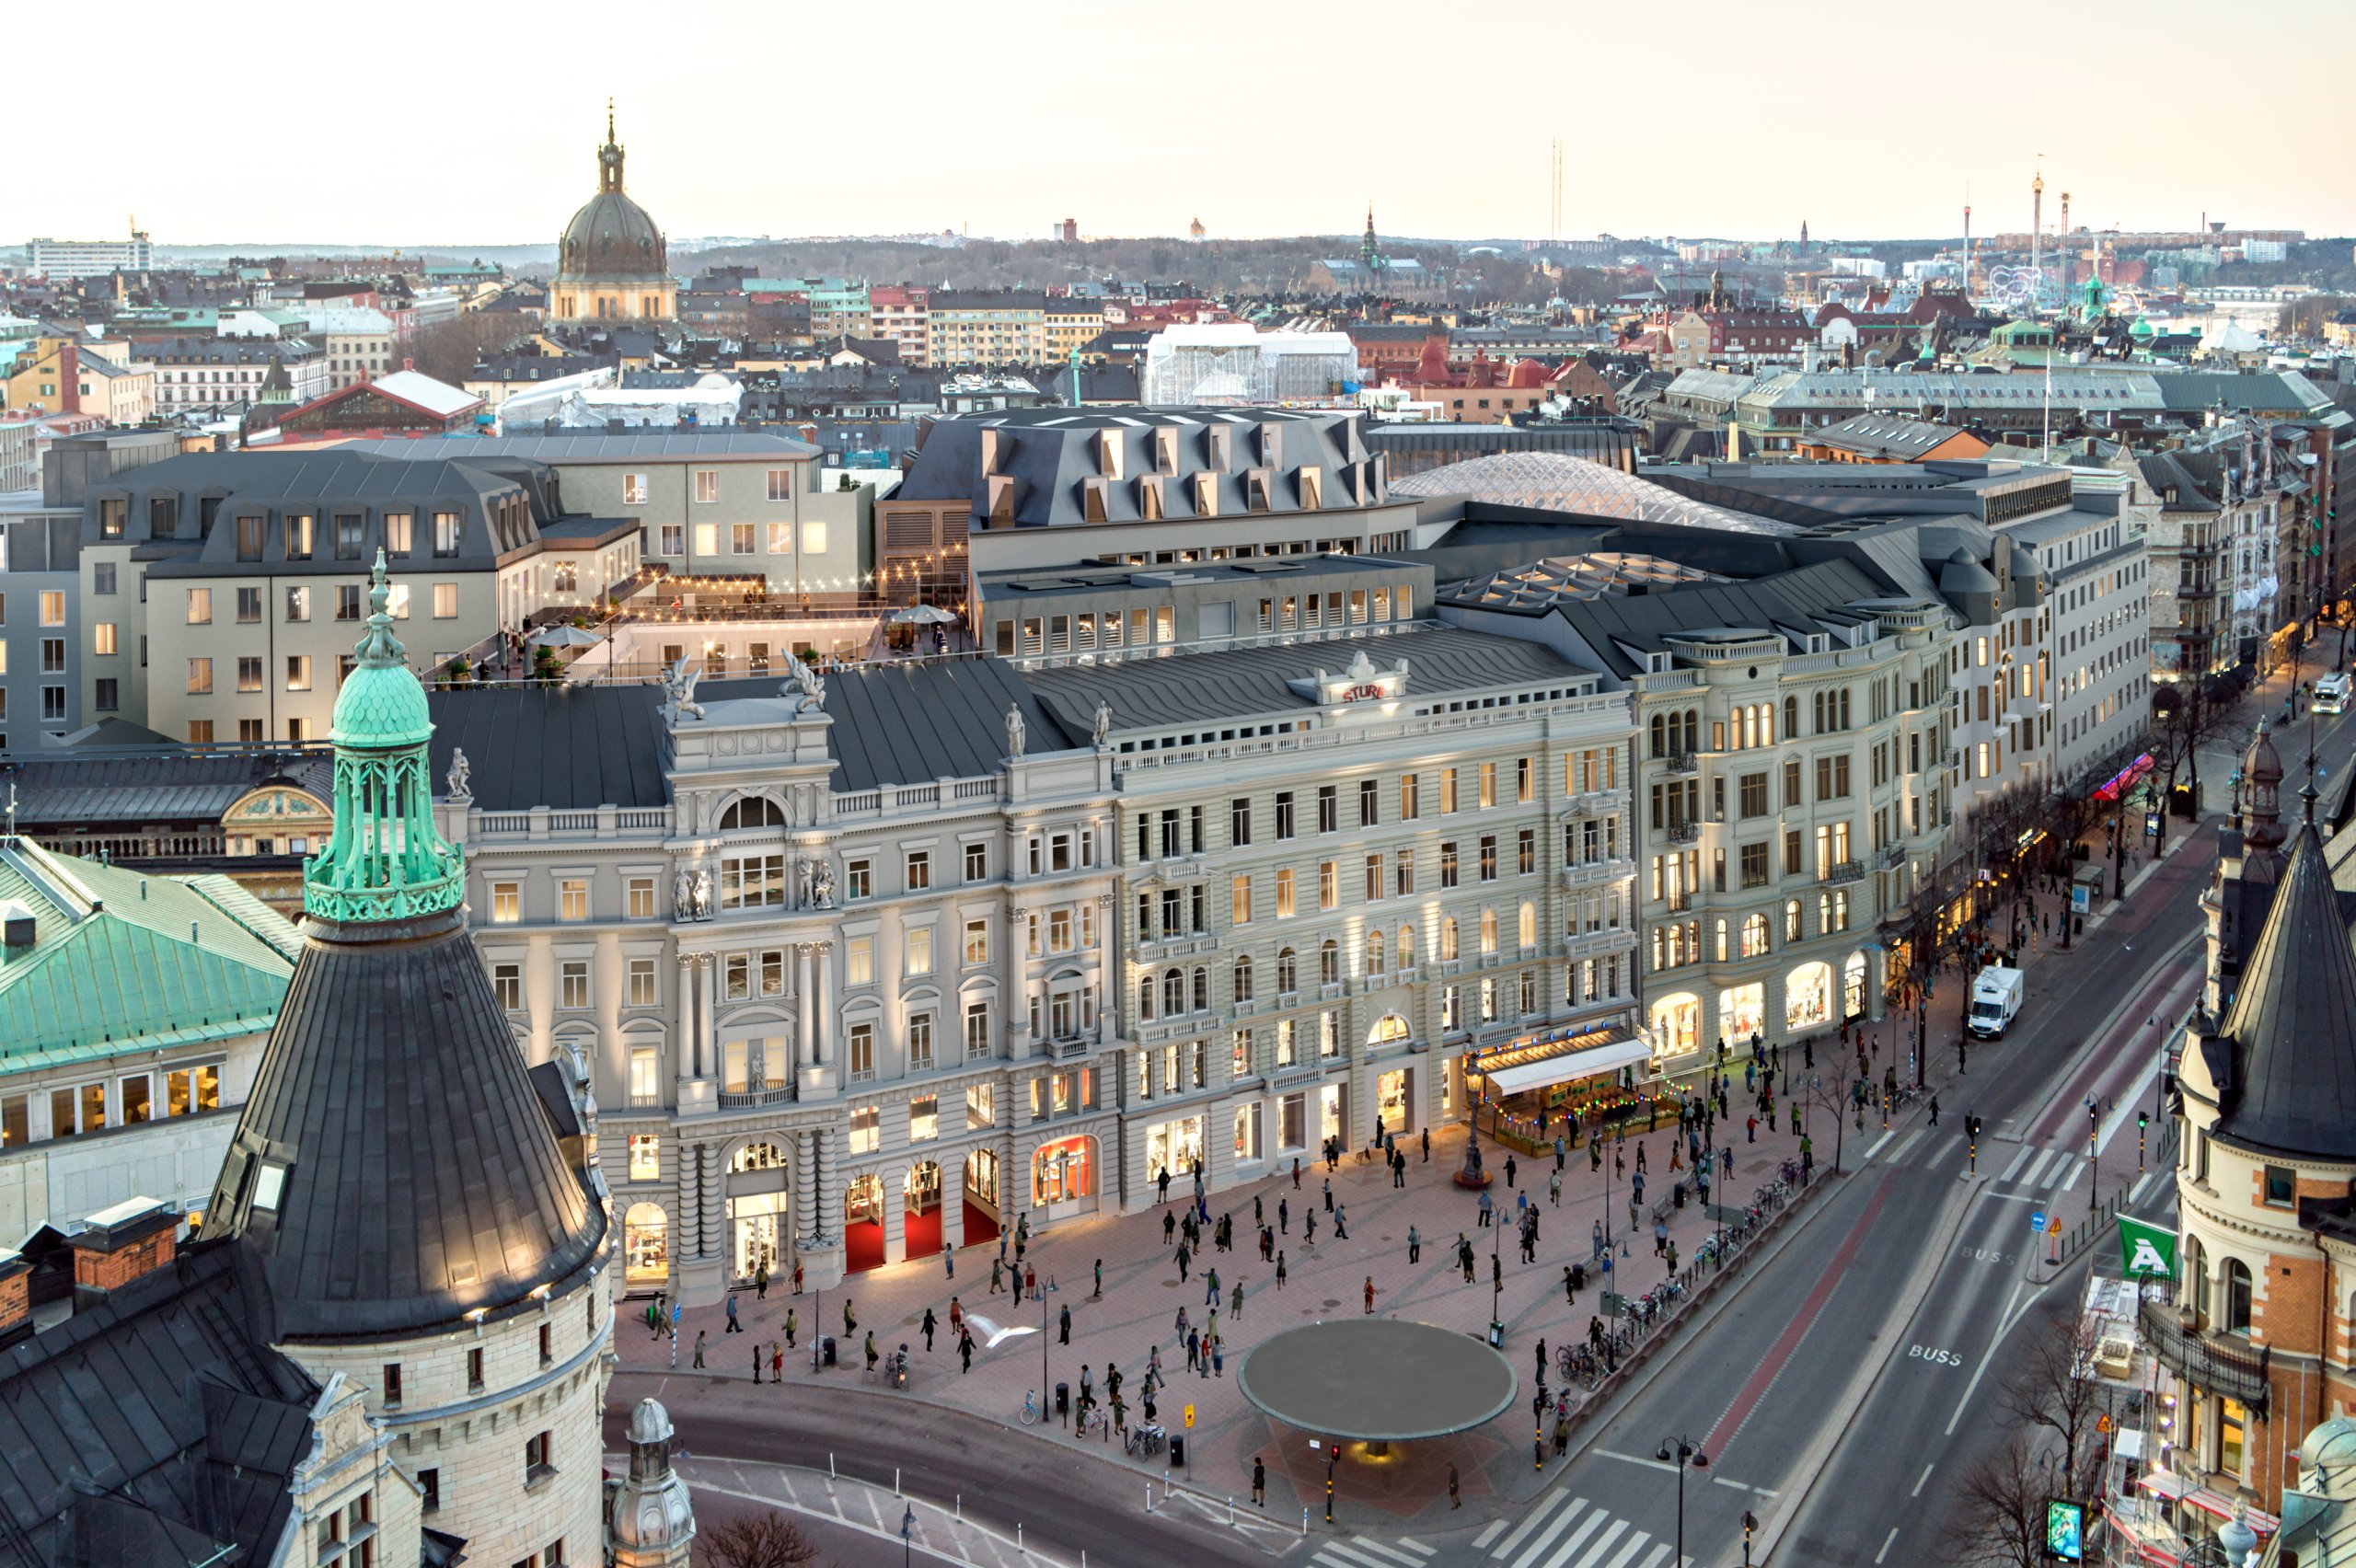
x=2145, y=1252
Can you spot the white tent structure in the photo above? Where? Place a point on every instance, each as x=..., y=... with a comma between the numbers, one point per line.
x=1233, y=362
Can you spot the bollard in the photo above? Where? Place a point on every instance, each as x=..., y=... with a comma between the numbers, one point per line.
x=1018, y=1535
x=895, y=1480
x=1148, y=1496
x=1304, y=1521
x=961, y=1507
x=1230, y=1510
x=830, y=1467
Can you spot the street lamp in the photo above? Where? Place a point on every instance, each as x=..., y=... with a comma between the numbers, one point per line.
x=907, y=1534
x=2094, y=1168
x=1685, y=1453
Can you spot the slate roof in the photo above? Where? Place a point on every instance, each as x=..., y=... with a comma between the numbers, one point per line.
x=915, y=722
x=152, y=1426
x=567, y=747
x=2294, y=1021
x=124, y=962
x=421, y=1177
x=164, y=785
x=1237, y=683
x=597, y=447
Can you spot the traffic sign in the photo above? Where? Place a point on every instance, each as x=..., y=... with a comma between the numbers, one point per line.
x=1190, y=1418
x=2053, y=1225
x=2036, y=1219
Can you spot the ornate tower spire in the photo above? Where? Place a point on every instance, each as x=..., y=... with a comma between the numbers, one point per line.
x=386, y=861
x=609, y=156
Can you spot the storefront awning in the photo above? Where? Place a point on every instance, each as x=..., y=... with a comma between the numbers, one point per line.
x=1575, y=1061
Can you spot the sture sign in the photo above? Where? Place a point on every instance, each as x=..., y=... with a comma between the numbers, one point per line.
x=1369, y=692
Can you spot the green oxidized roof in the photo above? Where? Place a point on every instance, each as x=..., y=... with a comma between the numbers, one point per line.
x=158, y=961
x=382, y=704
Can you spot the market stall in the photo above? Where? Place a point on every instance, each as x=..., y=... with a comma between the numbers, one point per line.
x=1521, y=1092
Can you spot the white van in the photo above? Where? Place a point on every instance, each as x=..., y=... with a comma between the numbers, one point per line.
x=1996, y=997
x=2331, y=694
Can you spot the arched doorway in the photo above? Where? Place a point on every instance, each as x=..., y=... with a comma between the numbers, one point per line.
x=1677, y=1023
x=863, y=1223
x=1063, y=1177
x=646, y=1247
x=980, y=1196
x=920, y=1218
x=1807, y=998
x=1853, y=986
x=756, y=1209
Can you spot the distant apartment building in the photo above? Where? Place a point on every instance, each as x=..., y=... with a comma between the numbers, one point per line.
x=72, y=375
x=39, y=652
x=900, y=313
x=1068, y=324
x=194, y=375
x=58, y=258
x=986, y=327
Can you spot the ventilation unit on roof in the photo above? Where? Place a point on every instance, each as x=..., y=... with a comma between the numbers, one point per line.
x=16, y=928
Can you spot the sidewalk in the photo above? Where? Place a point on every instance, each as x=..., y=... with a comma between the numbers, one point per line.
x=1143, y=1296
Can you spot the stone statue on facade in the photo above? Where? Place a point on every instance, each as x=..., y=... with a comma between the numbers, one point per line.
x=460, y=769
x=806, y=882
x=701, y=894
x=822, y=884
x=679, y=690
x=813, y=685
x=683, y=893
x=1016, y=731
x=1102, y=735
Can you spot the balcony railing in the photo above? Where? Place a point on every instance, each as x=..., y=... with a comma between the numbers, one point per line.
x=1685, y=832
x=1682, y=763
x=1894, y=858
x=1679, y=903
x=1844, y=871
x=751, y=1099
x=1070, y=1044
x=2221, y=1364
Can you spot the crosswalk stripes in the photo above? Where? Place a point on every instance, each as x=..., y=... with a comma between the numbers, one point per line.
x=1362, y=1552
x=1570, y=1533
x=2019, y=1159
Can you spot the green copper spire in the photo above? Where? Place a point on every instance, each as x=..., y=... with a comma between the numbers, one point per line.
x=385, y=860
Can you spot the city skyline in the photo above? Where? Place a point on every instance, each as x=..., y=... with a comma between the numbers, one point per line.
x=1756, y=150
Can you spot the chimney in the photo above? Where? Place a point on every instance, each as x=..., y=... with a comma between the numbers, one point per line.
x=16, y=1296
x=119, y=1245
x=69, y=376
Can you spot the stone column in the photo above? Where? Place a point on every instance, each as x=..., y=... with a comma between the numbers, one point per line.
x=708, y=1037
x=895, y=1217
x=829, y=1228
x=690, y=1059
x=1108, y=972
x=822, y=995
x=806, y=1189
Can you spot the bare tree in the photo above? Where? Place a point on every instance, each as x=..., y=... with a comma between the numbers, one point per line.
x=1998, y=1517
x=447, y=350
x=2055, y=1390
x=754, y=1540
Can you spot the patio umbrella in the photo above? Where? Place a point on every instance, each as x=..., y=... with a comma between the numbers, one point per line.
x=922, y=615
x=565, y=637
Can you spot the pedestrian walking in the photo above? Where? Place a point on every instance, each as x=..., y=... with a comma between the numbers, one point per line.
x=1183, y=1257
x=1934, y=1110
x=733, y=1326
x=1031, y=1280
x=1661, y=1238
x=1284, y=1211
x=997, y=1276
x=1099, y=1281
x=761, y=1282
x=1329, y=1195
x=1161, y=1184
x=1542, y=1373
x=1259, y=1482
x=1428, y=1145
x=1280, y=1271
x=1509, y=1170
x=1398, y=1169
x=1235, y=1301
x=1464, y=1256
x=1296, y=1173
x=699, y=1349
x=947, y=1263
x=777, y=1362
x=789, y=1326
x=964, y=1354
x=870, y=1350
x=1560, y=1151
x=1308, y=1228
x=1453, y=1500
x=1341, y=1224
x=1555, y=1187
x=756, y=1361
x=1484, y=1206
x=1414, y=1245
x=1194, y=1350
x=1570, y=1288
x=1064, y=1326
x=850, y=1324
x=1370, y=1296
x=1210, y=1288
x=931, y=1324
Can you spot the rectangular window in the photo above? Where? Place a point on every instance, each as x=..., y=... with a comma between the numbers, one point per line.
x=707, y=485
x=507, y=984
x=924, y=1118
x=1448, y=791
x=298, y=536
x=298, y=603
x=397, y=534
x=981, y=1106
x=814, y=538
x=1329, y=888
x=1488, y=785
x=298, y=671
x=633, y=490
x=978, y=862
x=445, y=533
x=641, y=992
x=189, y=1091
x=862, y=1053
x=1410, y=807
x=645, y=1065
x=1448, y=870
x=507, y=902
x=640, y=898
x=1283, y=814
x=920, y=870
x=1373, y=878
x=1328, y=809
x=572, y=899
x=978, y=942
x=1239, y=901
x=858, y=961
x=572, y=982
x=1238, y=821
x=1488, y=857
x=199, y=677
x=248, y=606
x=918, y=946
x=1285, y=894
x=1403, y=872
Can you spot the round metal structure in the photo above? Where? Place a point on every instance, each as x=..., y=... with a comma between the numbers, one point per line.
x=1376, y=1379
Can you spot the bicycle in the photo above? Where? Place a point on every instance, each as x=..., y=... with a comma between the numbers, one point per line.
x=1145, y=1441
x=1030, y=1416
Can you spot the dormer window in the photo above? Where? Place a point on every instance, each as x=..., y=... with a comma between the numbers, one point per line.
x=991, y=452
x=1255, y=491
x=1002, y=494
x=1149, y=499
x=1165, y=450
x=1110, y=454
x=1205, y=495
x=1220, y=440
x=1312, y=489
x=1272, y=445
x=1092, y=499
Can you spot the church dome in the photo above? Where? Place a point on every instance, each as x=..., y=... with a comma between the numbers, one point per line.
x=611, y=238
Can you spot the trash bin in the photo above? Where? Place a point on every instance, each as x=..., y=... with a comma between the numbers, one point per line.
x=1177, y=1451
x=1579, y=1276
x=826, y=1346
x=1677, y=1194
x=1063, y=1400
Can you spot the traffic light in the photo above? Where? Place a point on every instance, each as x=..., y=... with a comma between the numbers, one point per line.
x=2143, y=1120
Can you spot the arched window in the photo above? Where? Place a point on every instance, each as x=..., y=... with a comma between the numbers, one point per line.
x=1823, y=913
x=1145, y=999
x=753, y=811
x=1489, y=930
x=1766, y=723
x=2234, y=1280
x=1791, y=717
x=1692, y=731
x=1244, y=977
x=1659, y=734
x=1406, y=947
x=1329, y=963
x=1529, y=931
x=1288, y=972
x=1386, y=1029
x=1174, y=992
x=1718, y=935
x=1754, y=935
x=758, y=1157
x=1202, y=988
x=1374, y=965
x=1791, y=919
x=1447, y=937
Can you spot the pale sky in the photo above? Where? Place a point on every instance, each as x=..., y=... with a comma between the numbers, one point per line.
x=1280, y=118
